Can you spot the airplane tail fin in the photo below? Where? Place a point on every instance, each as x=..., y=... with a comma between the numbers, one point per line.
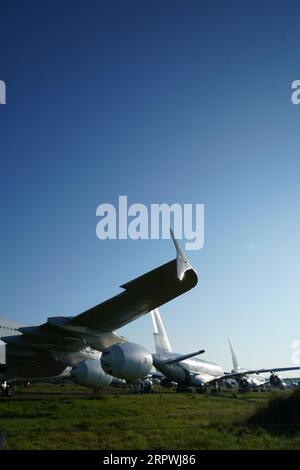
x=161, y=340
x=233, y=355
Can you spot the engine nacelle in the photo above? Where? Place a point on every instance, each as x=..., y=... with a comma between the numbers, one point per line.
x=127, y=361
x=244, y=384
x=276, y=381
x=90, y=374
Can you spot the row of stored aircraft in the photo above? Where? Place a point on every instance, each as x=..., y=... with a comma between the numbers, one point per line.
x=88, y=348
x=188, y=371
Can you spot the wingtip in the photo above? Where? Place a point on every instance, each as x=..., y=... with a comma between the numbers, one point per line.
x=183, y=263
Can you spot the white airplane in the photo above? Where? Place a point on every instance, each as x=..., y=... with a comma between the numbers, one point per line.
x=187, y=371
x=256, y=381
x=86, y=345
x=183, y=369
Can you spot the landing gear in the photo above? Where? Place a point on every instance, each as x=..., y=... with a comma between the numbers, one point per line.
x=183, y=389
x=202, y=389
x=216, y=388
x=7, y=390
x=10, y=391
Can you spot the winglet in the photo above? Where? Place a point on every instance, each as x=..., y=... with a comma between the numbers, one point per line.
x=183, y=263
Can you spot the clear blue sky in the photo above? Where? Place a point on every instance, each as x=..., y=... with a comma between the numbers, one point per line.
x=164, y=101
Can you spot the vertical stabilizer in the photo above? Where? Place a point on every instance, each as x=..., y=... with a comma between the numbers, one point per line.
x=161, y=341
x=233, y=355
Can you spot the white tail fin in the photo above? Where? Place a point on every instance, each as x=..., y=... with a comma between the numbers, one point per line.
x=161, y=341
x=233, y=355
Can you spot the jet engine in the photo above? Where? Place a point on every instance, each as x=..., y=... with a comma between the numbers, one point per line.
x=90, y=374
x=244, y=384
x=276, y=381
x=127, y=361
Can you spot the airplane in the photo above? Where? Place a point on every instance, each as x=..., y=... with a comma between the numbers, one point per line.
x=186, y=370
x=87, y=343
x=183, y=369
x=257, y=381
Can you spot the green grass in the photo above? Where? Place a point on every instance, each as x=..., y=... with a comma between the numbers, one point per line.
x=281, y=415
x=123, y=421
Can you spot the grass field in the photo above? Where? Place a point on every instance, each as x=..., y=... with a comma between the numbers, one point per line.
x=53, y=417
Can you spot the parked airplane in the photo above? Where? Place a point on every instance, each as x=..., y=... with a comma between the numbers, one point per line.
x=183, y=369
x=87, y=342
x=256, y=381
x=187, y=371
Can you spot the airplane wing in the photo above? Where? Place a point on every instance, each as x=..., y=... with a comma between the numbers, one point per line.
x=235, y=375
x=61, y=335
x=140, y=296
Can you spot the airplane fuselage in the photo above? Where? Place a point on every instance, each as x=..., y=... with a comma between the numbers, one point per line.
x=193, y=372
x=69, y=359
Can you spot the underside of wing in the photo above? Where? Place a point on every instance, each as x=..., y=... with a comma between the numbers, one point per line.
x=46, y=350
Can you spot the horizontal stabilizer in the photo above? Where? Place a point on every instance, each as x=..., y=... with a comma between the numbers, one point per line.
x=182, y=357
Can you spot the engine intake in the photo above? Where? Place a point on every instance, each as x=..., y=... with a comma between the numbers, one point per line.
x=244, y=385
x=276, y=381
